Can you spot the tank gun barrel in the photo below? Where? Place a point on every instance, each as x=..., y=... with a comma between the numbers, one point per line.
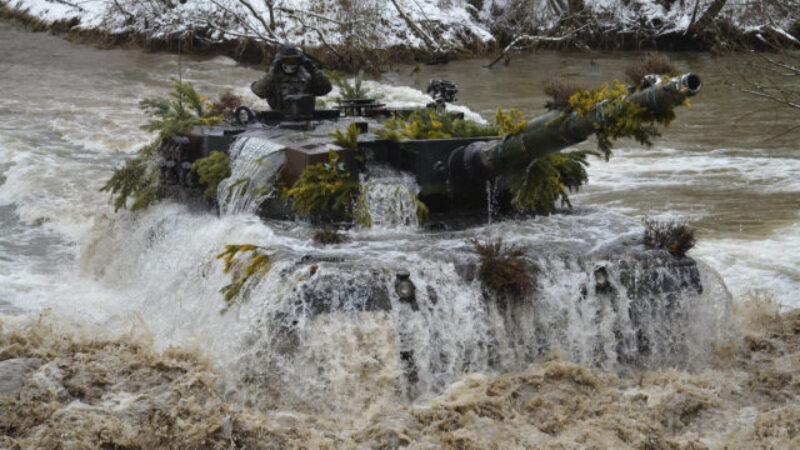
x=557, y=130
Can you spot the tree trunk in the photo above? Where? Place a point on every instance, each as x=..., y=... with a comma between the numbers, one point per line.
x=710, y=14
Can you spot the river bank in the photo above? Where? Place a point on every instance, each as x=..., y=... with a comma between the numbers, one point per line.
x=373, y=36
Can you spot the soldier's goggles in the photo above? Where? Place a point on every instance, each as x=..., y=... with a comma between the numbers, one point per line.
x=291, y=60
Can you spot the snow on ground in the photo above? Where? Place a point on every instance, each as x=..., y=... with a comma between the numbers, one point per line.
x=437, y=24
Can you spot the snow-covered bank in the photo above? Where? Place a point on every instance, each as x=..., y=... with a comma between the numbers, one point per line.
x=348, y=33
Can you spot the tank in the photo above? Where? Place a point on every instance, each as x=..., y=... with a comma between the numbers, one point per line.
x=643, y=295
x=452, y=174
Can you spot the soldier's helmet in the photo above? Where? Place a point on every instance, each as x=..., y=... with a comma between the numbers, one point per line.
x=288, y=59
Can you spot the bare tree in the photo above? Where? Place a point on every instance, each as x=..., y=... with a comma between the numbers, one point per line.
x=774, y=78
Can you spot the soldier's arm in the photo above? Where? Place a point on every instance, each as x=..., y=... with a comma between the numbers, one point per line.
x=261, y=87
x=320, y=85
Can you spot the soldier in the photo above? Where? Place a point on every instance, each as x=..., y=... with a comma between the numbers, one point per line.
x=292, y=74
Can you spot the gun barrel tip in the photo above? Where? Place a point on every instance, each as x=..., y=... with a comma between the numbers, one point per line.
x=692, y=82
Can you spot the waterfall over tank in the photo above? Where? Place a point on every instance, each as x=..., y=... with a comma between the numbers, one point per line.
x=255, y=162
x=321, y=336
x=390, y=197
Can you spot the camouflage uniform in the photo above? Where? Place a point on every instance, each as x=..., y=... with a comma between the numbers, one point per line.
x=276, y=85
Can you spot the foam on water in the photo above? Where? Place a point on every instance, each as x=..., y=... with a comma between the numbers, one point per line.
x=769, y=265
x=255, y=162
x=670, y=167
x=390, y=197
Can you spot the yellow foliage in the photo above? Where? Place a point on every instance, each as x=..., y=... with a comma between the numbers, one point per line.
x=259, y=264
x=349, y=139
x=618, y=117
x=510, y=123
x=430, y=124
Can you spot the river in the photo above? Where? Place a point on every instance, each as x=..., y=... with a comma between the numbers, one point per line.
x=69, y=115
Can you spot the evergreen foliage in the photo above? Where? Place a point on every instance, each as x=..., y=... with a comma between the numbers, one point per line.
x=623, y=118
x=676, y=237
x=241, y=272
x=361, y=210
x=138, y=178
x=212, y=170
x=431, y=124
x=509, y=123
x=347, y=90
x=502, y=268
x=348, y=139
x=548, y=180
x=324, y=191
x=181, y=111
x=422, y=209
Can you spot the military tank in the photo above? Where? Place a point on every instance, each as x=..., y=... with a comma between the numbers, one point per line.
x=451, y=173
x=639, y=301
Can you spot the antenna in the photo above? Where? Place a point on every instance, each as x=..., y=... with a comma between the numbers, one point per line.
x=180, y=71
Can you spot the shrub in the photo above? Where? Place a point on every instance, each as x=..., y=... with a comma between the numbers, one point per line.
x=324, y=191
x=559, y=93
x=349, y=91
x=654, y=63
x=225, y=105
x=430, y=124
x=677, y=237
x=138, y=178
x=503, y=269
x=212, y=170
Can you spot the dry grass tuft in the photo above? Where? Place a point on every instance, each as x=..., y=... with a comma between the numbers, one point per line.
x=559, y=93
x=654, y=63
x=677, y=237
x=503, y=269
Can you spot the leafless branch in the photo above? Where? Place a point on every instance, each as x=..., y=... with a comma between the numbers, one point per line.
x=528, y=37
x=258, y=17
x=774, y=98
x=245, y=24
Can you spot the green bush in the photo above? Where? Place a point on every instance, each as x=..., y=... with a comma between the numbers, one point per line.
x=548, y=180
x=430, y=124
x=324, y=191
x=212, y=170
x=138, y=178
x=347, y=90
